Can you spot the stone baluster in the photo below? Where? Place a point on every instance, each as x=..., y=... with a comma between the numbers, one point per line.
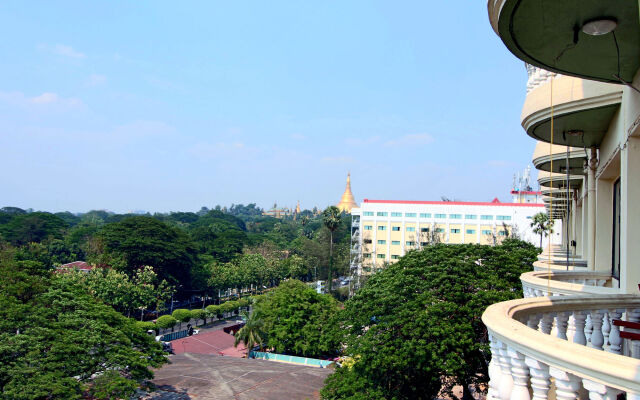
x=606, y=327
x=588, y=326
x=633, y=315
x=540, y=378
x=567, y=385
x=561, y=325
x=597, y=338
x=571, y=327
x=506, y=381
x=615, y=342
x=546, y=323
x=533, y=321
x=579, y=336
x=520, y=375
x=598, y=391
x=495, y=372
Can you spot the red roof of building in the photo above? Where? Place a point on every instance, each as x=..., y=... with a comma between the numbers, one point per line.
x=77, y=265
x=213, y=342
x=455, y=203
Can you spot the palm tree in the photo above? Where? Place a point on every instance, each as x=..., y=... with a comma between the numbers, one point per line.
x=542, y=224
x=331, y=217
x=251, y=334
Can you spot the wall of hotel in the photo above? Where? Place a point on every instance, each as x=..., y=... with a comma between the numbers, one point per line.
x=400, y=233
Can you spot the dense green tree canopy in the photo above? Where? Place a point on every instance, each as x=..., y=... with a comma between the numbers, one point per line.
x=32, y=227
x=298, y=321
x=144, y=241
x=415, y=326
x=56, y=341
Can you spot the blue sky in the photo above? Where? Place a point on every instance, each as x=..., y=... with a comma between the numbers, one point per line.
x=167, y=106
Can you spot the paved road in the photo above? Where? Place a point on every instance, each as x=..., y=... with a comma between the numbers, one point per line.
x=202, y=376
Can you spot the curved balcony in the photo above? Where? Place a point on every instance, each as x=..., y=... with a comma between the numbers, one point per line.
x=582, y=111
x=568, y=338
x=551, y=35
x=554, y=158
x=559, y=181
x=557, y=283
x=559, y=263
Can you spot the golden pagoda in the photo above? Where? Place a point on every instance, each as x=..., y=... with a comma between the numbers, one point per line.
x=347, y=202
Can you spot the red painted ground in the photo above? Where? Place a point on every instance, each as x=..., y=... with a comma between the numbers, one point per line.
x=214, y=342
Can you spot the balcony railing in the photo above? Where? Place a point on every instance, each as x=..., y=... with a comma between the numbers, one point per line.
x=559, y=283
x=546, y=345
x=537, y=76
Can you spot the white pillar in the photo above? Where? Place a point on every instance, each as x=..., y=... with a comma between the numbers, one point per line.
x=591, y=239
x=629, y=216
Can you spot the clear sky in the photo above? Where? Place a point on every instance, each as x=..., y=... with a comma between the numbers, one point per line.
x=165, y=105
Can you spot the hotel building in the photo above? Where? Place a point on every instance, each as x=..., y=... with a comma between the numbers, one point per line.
x=384, y=230
x=576, y=333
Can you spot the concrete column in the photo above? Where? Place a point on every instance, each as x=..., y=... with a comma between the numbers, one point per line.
x=604, y=218
x=591, y=230
x=574, y=217
x=629, y=216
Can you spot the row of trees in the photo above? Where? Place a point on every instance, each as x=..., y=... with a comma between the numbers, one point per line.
x=207, y=251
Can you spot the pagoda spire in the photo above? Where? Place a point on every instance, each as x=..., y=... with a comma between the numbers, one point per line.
x=347, y=202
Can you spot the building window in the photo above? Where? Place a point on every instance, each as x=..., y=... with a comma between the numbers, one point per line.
x=410, y=215
x=411, y=229
x=487, y=232
x=442, y=216
x=424, y=230
x=382, y=242
x=368, y=213
x=455, y=230
x=471, y=231
x=396, y=214
x=368, y=227
x=382, y=228
x=503, y=218
x=366, y=255
x=502, y=233
x=424, y=243
x=615, y=259
x=425, y=215
x=470, y=216
x=395, y=228
x=395, y=242
x=487, y=217
x=394, y=257
x=439, y=230
x=455, y=216
x=409, y=243
x=381, y=213
x=367, y=241
x=381, y=256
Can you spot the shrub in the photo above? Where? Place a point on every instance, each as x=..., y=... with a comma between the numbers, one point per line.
x=198, y=314
x=166, y=321
x=182, y=315
x=212, y=310
x=146, y=325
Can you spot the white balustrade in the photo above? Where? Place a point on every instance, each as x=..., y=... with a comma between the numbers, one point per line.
x=530, y=345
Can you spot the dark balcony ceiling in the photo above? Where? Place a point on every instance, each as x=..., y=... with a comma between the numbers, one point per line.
x=560, y=182
x=542, y=32
x=576, y=162
x=594, y=123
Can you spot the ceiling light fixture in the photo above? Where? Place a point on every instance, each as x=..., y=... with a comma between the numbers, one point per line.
x=575, y=132
x=599, y=27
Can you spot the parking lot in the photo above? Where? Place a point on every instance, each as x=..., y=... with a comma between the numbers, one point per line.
x=204, y=376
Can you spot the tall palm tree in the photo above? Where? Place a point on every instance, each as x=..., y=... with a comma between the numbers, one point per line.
x=541, y=224
x=331, y=217
x=251, y=334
